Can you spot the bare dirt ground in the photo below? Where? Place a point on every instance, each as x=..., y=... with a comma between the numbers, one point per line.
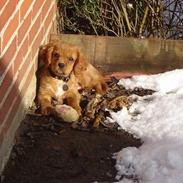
x=50, y=152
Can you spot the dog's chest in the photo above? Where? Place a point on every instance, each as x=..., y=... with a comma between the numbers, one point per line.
x=59, y=88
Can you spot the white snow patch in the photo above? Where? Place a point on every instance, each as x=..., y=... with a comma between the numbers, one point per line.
x=158, y=121
x=166, y=82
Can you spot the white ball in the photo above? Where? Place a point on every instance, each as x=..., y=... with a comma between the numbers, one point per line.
x=66, y=113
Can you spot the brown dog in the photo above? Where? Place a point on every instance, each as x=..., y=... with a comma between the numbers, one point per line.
x=65, y=71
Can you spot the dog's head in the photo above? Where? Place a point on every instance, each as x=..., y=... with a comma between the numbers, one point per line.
x=62, y=59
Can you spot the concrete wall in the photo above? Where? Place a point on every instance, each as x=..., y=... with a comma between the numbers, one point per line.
x=24, y=26
x=129, y=54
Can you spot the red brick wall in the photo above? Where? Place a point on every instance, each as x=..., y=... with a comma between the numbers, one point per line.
x=24, y=26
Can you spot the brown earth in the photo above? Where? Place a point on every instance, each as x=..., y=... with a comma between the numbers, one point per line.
x=47, y=151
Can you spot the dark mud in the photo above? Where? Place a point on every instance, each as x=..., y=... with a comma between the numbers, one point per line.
x=47, y=151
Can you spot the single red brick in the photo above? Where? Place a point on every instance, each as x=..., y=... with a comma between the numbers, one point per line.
x=2, y=3
x=28, y=80
x=9, y=54
x=34, y=29
x=21, y=54
x=24, y=8
x=36, y=7
x=7, y=124
x=37, y=43
x=10, y=30
x=45, y=9
x=49, y=19
x=24, y=68
x=23, y=28
x=7, y=81
x=8, y=103
x=7, y=12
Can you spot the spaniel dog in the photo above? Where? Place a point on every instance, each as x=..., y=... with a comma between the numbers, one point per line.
x=65, y=71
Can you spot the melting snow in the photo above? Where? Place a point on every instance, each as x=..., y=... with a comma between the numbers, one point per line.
x=158, y=121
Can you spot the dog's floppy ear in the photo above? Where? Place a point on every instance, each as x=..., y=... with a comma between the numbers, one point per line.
x=81, y=62
x=45, y=53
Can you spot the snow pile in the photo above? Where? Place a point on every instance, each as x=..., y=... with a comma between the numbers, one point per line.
x=171, y=81
x=158, y=121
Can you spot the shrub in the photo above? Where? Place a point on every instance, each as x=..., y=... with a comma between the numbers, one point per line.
x=137, y=18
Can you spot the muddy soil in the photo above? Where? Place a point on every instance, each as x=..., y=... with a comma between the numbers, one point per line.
x=47, y=151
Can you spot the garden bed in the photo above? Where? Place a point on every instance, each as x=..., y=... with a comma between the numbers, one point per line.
x=47, y=150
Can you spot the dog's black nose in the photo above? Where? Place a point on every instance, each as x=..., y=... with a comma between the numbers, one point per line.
x=61, y=65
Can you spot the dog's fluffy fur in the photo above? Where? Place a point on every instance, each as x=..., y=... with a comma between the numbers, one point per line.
x=65, y=60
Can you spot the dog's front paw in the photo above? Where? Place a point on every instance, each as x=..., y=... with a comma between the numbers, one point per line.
x=47, y=110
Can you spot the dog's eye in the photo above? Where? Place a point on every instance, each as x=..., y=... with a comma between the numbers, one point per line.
x=56, y=55
x=70, y=59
